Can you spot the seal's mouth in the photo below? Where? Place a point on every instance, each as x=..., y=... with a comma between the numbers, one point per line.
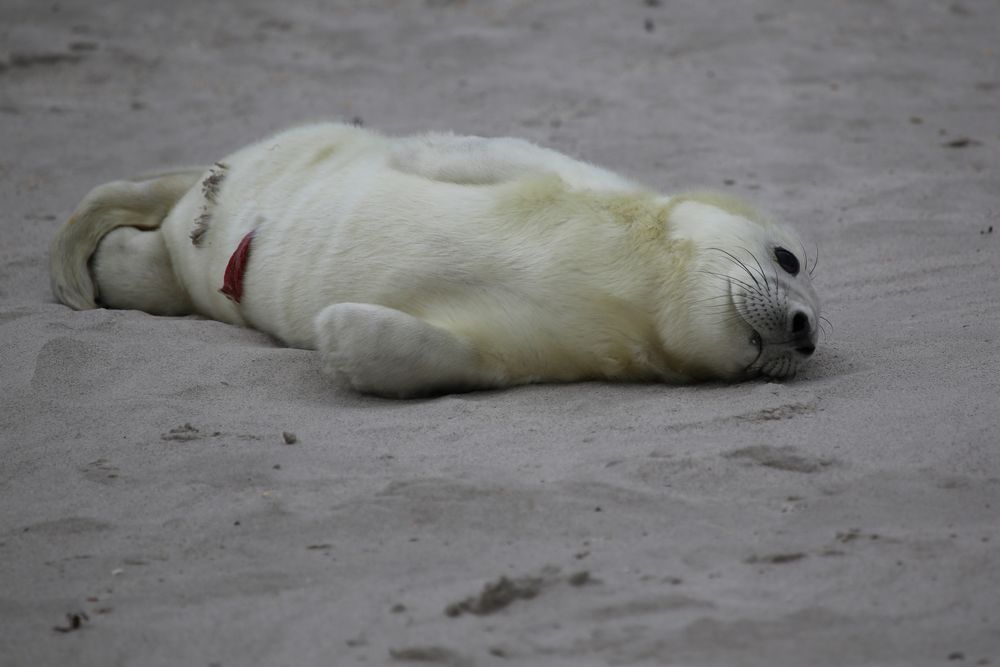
x=757, y=342
x=755, y=339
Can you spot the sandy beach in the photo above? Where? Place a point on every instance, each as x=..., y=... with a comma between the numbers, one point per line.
x=152, y=512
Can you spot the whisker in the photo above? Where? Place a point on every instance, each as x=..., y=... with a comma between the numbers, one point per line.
x=710, y=307
x=725, y=276
x=712, y=302
x=723, y=299
x=740, y=263
x=728, y=320
x=762, y=273
x=749, y=287
x=716, y=311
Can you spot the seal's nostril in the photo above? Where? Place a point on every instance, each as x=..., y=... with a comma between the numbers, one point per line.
x=806, y=349
x=800, y=322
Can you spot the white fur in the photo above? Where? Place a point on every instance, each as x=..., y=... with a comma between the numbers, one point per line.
x=438, y=263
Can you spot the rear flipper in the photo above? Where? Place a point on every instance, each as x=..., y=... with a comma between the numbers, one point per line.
x=131, y=267
x=383, y=351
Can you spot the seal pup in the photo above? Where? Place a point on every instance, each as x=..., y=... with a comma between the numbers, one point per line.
x=439, y=263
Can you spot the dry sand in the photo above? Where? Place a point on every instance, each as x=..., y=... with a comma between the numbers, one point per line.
x=850, y=517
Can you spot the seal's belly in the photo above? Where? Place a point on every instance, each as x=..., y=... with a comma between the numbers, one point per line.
x=518, y=263
x=369, y=234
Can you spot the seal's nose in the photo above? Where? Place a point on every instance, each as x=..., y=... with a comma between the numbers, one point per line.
x=800, y=323
x=802, y=332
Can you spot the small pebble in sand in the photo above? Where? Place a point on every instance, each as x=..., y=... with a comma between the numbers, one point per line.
x=497, y=595
x=73, y=622
x=776, y=559
x=961, y=142
x=435, y=654
x=289, y=437
x=184, y=433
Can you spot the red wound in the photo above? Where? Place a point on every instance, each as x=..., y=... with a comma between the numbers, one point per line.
x=232, y=282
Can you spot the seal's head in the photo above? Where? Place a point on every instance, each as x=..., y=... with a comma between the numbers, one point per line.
x=752, y=293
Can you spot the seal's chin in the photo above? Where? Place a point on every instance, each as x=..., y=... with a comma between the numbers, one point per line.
x=773, y=360
x=780, y=366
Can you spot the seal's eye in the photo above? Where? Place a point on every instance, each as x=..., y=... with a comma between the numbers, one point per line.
x=786, y=260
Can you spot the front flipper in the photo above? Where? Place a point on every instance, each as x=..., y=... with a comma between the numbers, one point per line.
x=384, y=351
x=489, y=161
